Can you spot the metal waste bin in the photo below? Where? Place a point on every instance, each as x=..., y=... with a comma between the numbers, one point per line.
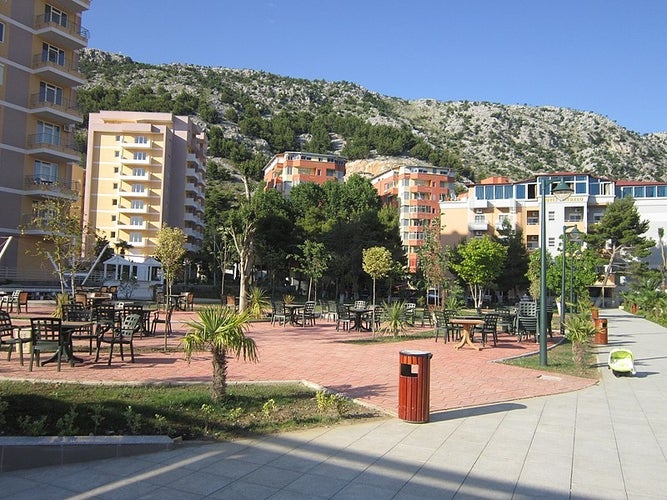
x=601, y=336
x=414, y=386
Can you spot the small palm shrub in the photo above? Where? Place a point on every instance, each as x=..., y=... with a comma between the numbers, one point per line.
x=579, y=329
x=393, y=319
x=258, y=301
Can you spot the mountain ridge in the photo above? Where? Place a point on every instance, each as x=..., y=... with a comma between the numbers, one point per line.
x=513, y=140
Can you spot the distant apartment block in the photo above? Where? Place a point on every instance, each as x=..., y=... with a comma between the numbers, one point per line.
x=417, y=192
x=39, y=50
x=291, y=168
x=143, y=171
x=498, y=200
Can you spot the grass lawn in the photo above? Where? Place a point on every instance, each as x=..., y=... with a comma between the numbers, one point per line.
x=70, y=409
x=559, y=360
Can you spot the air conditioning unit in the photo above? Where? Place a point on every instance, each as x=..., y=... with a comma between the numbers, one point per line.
x=479, y=211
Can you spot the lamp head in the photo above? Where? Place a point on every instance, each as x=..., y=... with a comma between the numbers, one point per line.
x=562, y=191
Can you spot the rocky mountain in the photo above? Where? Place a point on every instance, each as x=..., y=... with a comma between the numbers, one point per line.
x=489, y=139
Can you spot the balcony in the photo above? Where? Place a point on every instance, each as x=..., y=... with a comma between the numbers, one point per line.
x=56, y=110
x=134, y=162
x=143, y=146
x=59, y=70
x=54, y=147
x=479, y=224
x=135, y=194
x=132, y=227
x=39, y=185
x=130, y=210
x=72, y=5
x=132, y=177
x=67, y=34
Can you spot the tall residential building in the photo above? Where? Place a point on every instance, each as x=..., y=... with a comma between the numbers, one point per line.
x=143, y=171
x=417, y=192
x=39, y=45
x=496, y=201
x=291, y=168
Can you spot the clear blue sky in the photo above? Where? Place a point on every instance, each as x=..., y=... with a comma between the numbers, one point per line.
x=605, y=56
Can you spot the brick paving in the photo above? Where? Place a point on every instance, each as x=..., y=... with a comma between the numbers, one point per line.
x=320, y=355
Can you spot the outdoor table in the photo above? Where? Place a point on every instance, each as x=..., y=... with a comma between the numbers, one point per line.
x=466, y=325
x=293, y=309
x=358, y=322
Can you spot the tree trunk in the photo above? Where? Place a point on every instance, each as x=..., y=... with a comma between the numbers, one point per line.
x=219, y=383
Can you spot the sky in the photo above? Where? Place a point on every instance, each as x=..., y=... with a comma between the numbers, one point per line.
x=604, y=56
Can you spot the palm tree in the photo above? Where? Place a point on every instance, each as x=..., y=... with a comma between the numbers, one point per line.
x=220, y=330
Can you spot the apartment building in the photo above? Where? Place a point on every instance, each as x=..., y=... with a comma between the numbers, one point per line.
x=39, y=45
x=143, y=171
x=494, y=201
x=288, y=169
x=417, y=191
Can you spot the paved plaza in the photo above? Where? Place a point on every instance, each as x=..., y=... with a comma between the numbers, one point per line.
x=495, y=431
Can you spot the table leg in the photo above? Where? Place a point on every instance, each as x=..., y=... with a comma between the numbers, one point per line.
x=465, y=339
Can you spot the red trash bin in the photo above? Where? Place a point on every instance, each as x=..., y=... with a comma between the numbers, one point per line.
x=601, y=333
x=414, y=386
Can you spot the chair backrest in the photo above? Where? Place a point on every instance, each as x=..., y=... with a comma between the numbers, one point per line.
x=23, y=298
x=105, y=313
x=527, y=324
x=104, y=289
x=278, y=307
x=71, y=308
x=81, y=298
x=359, y=304
x=45, y=329
x=6, y=327
x=309, y=306
x=343, y=311
x=527, y=308
x=439, y=318
x=77, y=314
x=129, y=325
x=16, y=294
x=410, y=307
x=133, y=309
x=491, y=320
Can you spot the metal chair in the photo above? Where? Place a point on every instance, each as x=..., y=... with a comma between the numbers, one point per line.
x=46, y=336
x=490, y=326
x=75, y=312
x=8, y=338
x=343, y=317
x=10, y=300
x=307, y=313
x=121, y=335
x=278, y=313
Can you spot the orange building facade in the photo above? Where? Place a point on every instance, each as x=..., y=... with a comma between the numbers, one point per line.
x=417, y=191
x=291, y=168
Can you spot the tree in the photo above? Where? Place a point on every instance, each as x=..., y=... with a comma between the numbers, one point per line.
x=618, y=237
x=433, y=257
x=170, y=250
x=62, y=242
x=513, y=275
x=220, y=330
x=314, y=262
x=377, y=262
x=481, y=261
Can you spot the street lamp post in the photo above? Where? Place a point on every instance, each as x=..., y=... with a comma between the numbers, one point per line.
x=561, y=191
x=574, y=235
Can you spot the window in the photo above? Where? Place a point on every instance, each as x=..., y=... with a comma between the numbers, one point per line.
x=137, y=204
x=115, y=185
x=53, y=54
x=2, y=74
x=140, y=155
x=551, y=241
x=551, y=215
x=138, y=188
x=113, y=218
x=138, y=172
x=116, y=154
x=45, y=173
x=114, y=202
x=115, y=170
x=2, y=32
x=141, y=139
x=48, y=133
x=117, y=138
x=136, y=238
x=53, y=15
x=136, y=220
